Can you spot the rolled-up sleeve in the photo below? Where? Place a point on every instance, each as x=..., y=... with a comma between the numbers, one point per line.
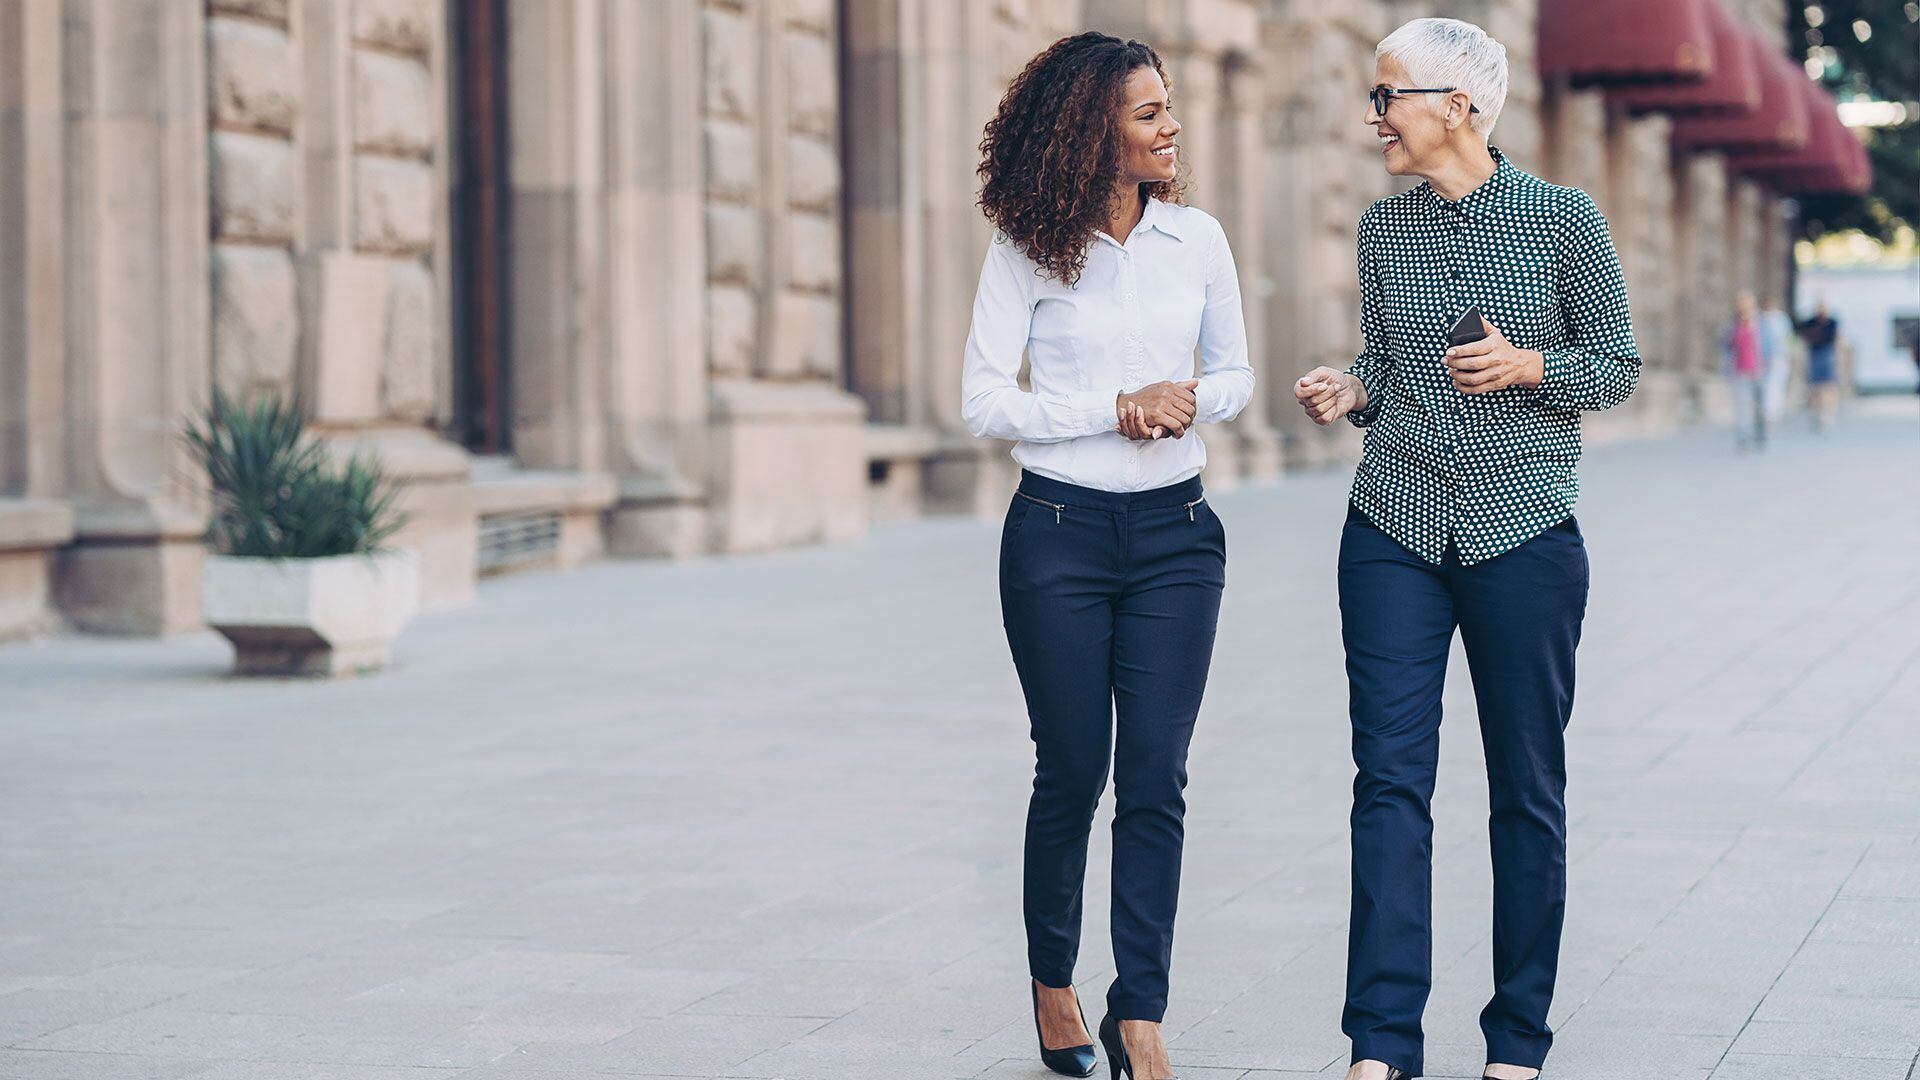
x=1226, y=375
x=1599, y=366
x=992, y=402
x=1373, y=366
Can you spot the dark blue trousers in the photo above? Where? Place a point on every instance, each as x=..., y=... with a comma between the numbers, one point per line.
x=1519, y=617
x=1110, y=602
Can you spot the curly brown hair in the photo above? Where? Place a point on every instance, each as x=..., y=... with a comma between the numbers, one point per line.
x=1051, y=155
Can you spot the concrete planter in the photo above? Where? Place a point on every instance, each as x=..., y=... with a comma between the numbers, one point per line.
x=332, y=616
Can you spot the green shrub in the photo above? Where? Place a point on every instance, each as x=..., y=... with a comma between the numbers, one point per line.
x=277, y=494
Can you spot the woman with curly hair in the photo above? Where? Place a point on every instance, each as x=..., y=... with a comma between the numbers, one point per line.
x=1111, y=561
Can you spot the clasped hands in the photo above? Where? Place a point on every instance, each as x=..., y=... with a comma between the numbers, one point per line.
x=1162, y=410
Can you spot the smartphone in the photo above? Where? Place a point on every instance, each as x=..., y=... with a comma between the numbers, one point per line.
x=1469, y=327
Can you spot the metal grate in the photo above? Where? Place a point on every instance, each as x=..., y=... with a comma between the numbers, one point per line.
x=510, y=540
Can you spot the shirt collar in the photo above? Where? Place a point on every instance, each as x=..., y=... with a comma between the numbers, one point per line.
x=1155, y=215
x=1474, y=202
x=1163, y=216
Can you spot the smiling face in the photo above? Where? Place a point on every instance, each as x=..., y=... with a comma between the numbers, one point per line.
x=1417, y=127
x=1148, y=152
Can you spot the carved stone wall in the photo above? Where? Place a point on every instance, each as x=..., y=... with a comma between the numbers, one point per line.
x=254, y=97
x=742, y=248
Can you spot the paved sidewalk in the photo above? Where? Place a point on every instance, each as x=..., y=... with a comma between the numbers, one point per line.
x=761, y=817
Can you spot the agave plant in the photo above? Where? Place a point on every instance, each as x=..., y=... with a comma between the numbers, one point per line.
x=276, y=493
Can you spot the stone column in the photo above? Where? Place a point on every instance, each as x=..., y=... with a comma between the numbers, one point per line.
x=1639, y=200
x=972, y=52
x=1701, y=245
x=1744, y=253
x=788, y=450
x=557, y=81
x=1773, y=230
x=657, y=381
x=609, y=318
x=135, y=299
x=369, y=251
x=886, y=95
x=1321, y=171
x=1574, y=146
x=1218, y=84
x=34, y=519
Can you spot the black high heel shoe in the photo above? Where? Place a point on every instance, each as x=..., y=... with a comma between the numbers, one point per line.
x=1116, y=1049
x=1072, y=1061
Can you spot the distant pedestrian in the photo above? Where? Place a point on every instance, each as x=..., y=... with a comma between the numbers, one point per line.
x=1112, y=563
x=1745, y=368
x=1776, y=356
x=1822, y=335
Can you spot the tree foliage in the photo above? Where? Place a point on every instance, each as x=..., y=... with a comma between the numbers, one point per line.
x=1884, y=67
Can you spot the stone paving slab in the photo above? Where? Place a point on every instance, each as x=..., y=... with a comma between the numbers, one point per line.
x=761, y=816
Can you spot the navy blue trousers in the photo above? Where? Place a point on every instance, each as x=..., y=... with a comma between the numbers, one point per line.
x=1519, y=617
x=1110, y=601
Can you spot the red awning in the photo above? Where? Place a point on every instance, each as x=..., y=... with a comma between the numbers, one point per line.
x=1734, y=86
x=1833, y=161
x=1777, y=125
x=1823, y=120
x=1592, y=41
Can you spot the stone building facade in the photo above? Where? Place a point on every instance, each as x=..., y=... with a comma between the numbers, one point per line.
x=664, y=277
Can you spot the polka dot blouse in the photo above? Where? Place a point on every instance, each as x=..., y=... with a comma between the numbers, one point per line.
x=1484, y=472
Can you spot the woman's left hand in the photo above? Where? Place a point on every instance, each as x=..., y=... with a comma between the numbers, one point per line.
x=1483, y=366
x=1133, y=424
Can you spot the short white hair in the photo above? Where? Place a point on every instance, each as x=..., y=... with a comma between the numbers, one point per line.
x=1448, y=52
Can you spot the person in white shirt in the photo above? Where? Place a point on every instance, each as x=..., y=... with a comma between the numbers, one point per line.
x=1111, y=562
x=1776, y=356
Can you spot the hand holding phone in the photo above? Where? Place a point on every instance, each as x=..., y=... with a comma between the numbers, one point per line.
x=1481, y=360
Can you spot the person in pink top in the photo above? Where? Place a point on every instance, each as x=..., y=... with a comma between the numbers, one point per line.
x=1746, y=371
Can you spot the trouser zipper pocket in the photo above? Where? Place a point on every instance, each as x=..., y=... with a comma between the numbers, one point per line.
x=1189, y=507
x=1057, y=508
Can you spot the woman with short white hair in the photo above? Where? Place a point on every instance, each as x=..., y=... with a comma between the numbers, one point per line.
x=1493, y=313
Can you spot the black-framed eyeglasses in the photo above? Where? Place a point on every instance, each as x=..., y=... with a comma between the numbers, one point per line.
x=1382, y=96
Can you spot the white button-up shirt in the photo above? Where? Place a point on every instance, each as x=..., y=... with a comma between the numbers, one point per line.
x=1136, y=317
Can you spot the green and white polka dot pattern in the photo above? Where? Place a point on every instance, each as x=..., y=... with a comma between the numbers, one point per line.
x=1487, y=472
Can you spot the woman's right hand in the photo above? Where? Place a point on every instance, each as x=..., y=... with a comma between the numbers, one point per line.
x=1327, y=394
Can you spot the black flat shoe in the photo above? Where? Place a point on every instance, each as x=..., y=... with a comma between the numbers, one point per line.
x=1116, y=1049
x=1074, y=1060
